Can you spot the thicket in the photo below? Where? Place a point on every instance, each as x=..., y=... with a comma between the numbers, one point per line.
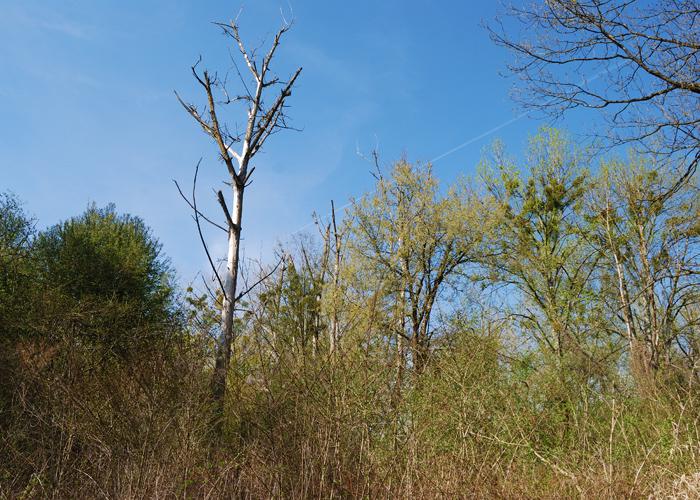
x=531, y=332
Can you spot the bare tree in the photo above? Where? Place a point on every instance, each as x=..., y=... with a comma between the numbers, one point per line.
x=266, y=115
x=641, y=62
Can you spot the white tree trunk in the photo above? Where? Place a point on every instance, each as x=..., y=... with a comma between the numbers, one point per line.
x=262, y=121
x=223, y=354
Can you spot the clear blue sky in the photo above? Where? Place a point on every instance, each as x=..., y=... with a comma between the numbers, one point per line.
x=89, y=113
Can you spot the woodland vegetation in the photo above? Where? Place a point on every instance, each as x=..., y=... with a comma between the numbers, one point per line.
x=531, y=332
x=528, y=332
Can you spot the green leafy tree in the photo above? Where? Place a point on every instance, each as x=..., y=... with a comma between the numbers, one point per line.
x=648, y=229
x=407, y=242
x=16, y=274
x=110, y=270
x=542, y=250
x=549, y=273
x=290, y=309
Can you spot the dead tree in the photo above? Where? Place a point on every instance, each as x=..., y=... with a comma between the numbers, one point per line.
x=264, y=96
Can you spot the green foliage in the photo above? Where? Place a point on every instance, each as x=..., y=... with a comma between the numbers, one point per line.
x=101, y=253
x=18, y=291
x=485, y=347
x=203, y=312
x=542, y=244
x=16, y=268
x=16, y=229
x=292, y=307
x=107, y=269
x=646, y=226
x=94, y=366
x=407, y=245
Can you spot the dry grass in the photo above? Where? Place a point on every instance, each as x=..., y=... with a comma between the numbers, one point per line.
x=83, y=427
x=686, y=487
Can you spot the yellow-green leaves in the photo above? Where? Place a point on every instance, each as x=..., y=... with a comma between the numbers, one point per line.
x=407, y=241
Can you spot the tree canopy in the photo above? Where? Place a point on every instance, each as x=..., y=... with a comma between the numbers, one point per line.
x=108, y=261
x=16, y=240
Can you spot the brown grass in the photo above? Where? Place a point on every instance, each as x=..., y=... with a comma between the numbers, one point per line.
x=83, y=425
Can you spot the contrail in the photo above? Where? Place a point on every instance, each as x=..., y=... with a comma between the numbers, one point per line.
x=504, y=124
x=595, y=77
x=474, y=139
x=481, y=136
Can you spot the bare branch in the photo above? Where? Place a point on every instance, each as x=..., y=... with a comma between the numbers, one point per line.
x=246, y=292
x=272, y=117
x=193, y=208
x=646, y=56
x=199, y=229
x=222, y=202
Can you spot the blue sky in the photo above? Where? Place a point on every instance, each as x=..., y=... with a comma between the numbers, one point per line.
x=89, y=113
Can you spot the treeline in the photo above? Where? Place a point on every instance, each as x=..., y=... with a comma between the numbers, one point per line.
x=530, y=332
x=98, y=373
